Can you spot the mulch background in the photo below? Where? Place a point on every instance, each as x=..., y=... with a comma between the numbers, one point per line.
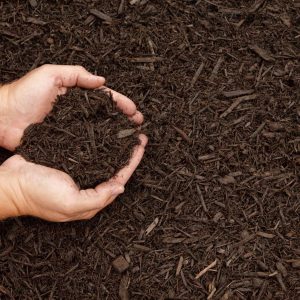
x=219, y=184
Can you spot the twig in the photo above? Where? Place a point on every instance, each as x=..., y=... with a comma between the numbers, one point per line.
x=183, y=134
x=151, y=47
x=146, y=59
x=237, y=93
x=60, y=129
x=101, y=15
x=236, y=103
x=197, y=74
x=256, y=6
x=258, y=130
x=216, y=69
x=179, y=266
x=201, y=198
x=213, y=264
x=121, y=7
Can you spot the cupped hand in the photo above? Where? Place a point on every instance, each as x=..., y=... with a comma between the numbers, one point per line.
x=52, y=195
x=29, y=99
x=44, y=192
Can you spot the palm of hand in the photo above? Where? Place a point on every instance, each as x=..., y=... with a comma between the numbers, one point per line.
x=53, y=195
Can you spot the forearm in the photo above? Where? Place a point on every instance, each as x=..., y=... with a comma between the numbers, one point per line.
x=7, y=202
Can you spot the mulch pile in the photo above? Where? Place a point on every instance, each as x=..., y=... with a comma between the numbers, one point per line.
x=84, y=136
x=217, y=194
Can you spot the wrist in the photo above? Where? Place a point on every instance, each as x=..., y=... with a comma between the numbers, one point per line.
x=8, y=196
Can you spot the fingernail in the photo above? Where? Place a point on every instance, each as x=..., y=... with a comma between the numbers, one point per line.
x=117, y=190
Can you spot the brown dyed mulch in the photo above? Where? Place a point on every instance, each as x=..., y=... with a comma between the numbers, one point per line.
x=218, y=83
x=84, y=136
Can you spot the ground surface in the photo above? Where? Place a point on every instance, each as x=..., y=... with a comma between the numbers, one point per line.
x=84, y=136
x=220, y=178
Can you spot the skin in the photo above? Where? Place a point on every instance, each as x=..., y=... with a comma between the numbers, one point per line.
x=30, y=189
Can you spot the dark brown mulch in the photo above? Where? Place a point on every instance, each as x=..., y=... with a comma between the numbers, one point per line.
x=220, y=178
x=84, y=136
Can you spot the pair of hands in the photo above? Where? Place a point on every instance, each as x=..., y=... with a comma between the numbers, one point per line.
x=30, y=189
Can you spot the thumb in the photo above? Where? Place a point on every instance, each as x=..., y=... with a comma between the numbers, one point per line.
x=71, y=76
x=98, y=198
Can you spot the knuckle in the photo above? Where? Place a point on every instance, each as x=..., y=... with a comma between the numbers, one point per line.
x=45, y=67
x=80, y=68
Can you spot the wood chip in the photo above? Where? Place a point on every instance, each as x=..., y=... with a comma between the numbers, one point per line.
x=227, y=179
x=258, y=130
x=286, y=20
x=245, y=240
x=101, y=15
x=4, y=291
x=141, y=248
x=261, y=52
x=120, y=264
x=217, y=217
x=33, y=3
x=133, y=2
x=262, y=290
x=123, y=288
x=125, y=133
x=35, y=21
x=183, y=134
x=213, y=264
x=282, y=269
x=296, y=263
x=256, y=6
x=237, y=93
x=197, y=74
x=262, y=265
x=201, y=198
x=179, y=266
x=216, y=69
x=260, y=274
x=121, y=7
x=172, y=240
x=280, y=281
x=146, y=59
x=236, y=103
x=275, y=126
x=152, y=226
x=265, y=235
x=206, y=157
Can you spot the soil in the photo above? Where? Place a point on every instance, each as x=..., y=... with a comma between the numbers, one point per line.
x=218, y=83
x=84, y=136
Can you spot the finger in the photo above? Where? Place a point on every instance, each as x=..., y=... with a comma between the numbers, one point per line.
x=14, y=161
x=137, y=118
x=98, y=198
x=123, y=103
x=71, y=76
x=124, y=174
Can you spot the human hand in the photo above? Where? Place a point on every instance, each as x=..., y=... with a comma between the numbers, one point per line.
x=52, y=195
x=43, y=192
x=29, y=99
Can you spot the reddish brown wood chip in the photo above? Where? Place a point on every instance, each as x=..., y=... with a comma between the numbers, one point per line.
x=120, y=264
x=101, y=15
x=261, y=52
